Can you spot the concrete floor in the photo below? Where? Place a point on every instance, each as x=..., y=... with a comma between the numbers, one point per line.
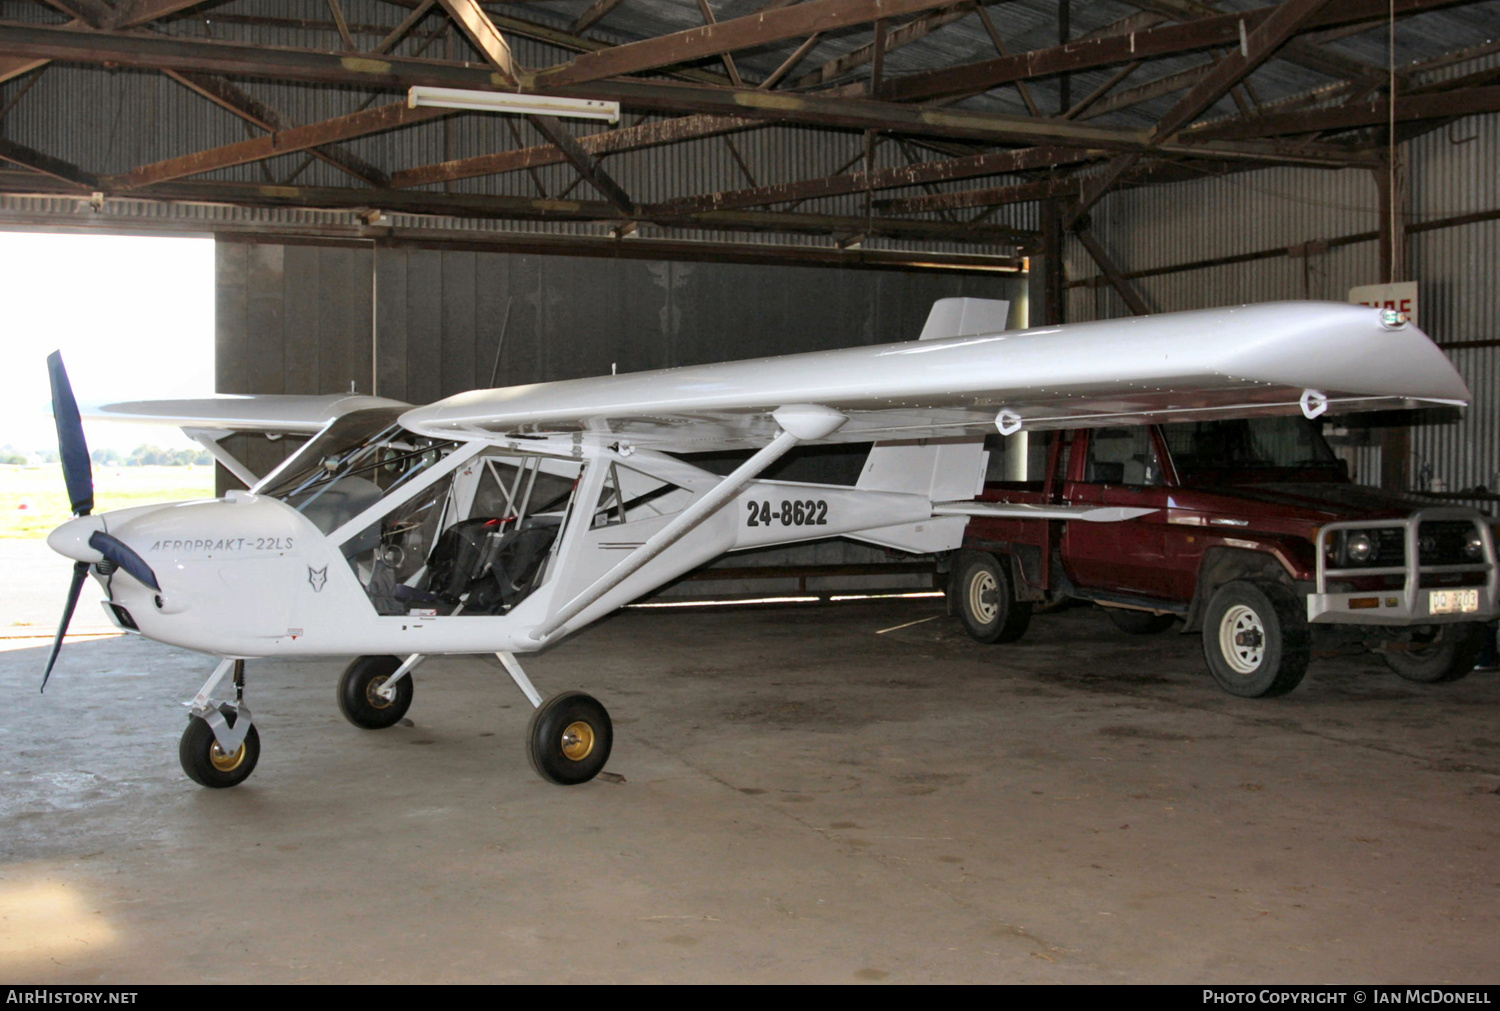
x=805, y=800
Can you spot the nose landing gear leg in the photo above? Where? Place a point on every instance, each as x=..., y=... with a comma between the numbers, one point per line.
x=220, y=746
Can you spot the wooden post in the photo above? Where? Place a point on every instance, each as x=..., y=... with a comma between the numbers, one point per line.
x=1054, y=291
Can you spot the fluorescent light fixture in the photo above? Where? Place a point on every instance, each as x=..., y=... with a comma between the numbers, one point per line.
x=502, y=101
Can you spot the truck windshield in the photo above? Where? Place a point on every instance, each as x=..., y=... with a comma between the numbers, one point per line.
x=1260, y=446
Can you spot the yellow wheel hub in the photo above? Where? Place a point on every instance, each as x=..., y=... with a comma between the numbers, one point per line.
x=577, y=741
x=223, y=762
x=373, y=696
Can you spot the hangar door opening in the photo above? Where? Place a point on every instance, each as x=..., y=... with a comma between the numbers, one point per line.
x=133, y=317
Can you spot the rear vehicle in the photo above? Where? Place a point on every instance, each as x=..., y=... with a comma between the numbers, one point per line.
x=1256, y=539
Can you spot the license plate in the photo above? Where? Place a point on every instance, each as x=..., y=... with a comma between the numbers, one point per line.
x=1452, y=601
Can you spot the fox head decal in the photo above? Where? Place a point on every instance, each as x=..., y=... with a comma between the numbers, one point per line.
x=317, y=577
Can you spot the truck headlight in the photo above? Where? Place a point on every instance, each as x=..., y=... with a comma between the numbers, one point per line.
x=1474, y=546
x=1359, y=548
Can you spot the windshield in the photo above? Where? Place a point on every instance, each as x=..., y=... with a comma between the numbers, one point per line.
x=1257, y=445
x=351, y=465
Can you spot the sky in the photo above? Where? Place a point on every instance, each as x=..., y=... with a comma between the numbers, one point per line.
x=133, y=317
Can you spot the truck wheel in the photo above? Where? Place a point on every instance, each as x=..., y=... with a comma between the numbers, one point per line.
x=1139, y=622
x=1439, y=652
x=1255, y=639
x=987, y=603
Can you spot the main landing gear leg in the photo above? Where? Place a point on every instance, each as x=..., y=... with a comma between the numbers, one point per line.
x=570, y=734
x=220, y=746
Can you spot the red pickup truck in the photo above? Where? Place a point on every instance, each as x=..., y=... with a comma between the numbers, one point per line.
x=1256, y=538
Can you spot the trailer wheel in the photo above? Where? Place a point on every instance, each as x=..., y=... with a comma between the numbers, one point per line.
x=1255, y=639
x=1439, y=653
x=987, y=603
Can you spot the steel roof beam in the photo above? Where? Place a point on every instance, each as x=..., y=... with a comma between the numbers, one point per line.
x=161, y=51
x=1255, y=48
x=584, y=162
x=133, y=15
x=1123, y=288
x=630, y=138
x=1083, y=54
x=895, y=39
x=481, y=31
x=94, y=13
x=472, y=205
x=597, y=11
x=67, y=172
x=727, y=36
x=249, y=108
x=1045, y=189
x=881, y=179
x=299, y=138
x=1439, y=105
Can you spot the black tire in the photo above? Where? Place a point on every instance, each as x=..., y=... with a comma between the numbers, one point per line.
x=987, y=603
x=1255, y=639
x=1139, y=622
x=358, y=701
x=569, y=739
x=1438, y=653
x=205, y=762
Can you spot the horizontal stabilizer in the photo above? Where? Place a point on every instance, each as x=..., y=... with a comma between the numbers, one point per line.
x=1019, y=510
x=939, y=534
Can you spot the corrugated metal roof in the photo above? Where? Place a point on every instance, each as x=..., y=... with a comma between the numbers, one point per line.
x=110, y=121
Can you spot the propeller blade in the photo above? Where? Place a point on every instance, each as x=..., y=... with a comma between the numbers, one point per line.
x=78, y=472
x=123, y=555
x=80, y=572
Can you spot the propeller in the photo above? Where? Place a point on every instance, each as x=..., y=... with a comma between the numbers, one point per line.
x=78, y=472
x=123, y=555
x=80, y=572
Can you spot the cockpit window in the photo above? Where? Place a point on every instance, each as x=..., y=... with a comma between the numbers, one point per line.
x=351, y=465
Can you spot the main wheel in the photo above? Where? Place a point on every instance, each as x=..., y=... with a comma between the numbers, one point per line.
x=1139, y=622
x=569, y=738
x=1255, y=639
x=359, y=701
x=1439, y=652
x=987, y=603
x=206, y=763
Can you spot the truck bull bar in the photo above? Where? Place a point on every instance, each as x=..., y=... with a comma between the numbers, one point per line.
x=1412, y=604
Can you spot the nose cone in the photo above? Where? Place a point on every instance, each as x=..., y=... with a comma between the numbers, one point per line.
x=71, y=540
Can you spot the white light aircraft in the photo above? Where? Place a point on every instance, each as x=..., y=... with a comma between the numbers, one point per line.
x=501, y=521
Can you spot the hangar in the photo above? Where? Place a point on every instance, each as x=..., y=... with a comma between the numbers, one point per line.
x=850, y=790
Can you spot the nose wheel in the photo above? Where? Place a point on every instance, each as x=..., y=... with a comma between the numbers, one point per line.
x=210, y=763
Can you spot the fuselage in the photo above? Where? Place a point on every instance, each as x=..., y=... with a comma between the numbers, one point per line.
x=251, y=575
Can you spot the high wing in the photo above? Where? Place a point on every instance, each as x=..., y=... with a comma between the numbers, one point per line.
x=1246, y=360
x=277, y=413
x=209, y=420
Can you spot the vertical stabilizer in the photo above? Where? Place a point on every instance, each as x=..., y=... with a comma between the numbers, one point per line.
x=944, y=470
x=961, y=317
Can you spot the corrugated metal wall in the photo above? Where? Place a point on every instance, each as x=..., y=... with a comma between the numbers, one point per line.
x=1451, y=171
x=297, y=318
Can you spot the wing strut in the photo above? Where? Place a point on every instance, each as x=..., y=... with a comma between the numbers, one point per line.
x=799, y=423
x=209, y=440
